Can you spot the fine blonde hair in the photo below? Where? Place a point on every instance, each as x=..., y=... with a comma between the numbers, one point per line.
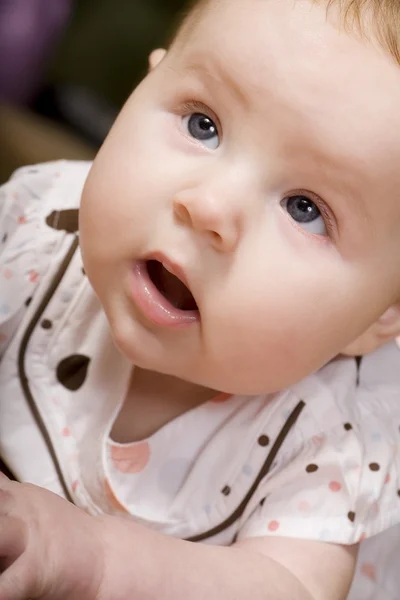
x=382, y=17
x=379, y=17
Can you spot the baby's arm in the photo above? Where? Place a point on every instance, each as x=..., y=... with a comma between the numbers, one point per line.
x=144, y=564
x=54, y=551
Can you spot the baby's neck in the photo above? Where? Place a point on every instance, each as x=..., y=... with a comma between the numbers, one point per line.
x=152, y=400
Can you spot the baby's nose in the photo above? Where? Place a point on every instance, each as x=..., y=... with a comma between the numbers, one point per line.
x=209, y=216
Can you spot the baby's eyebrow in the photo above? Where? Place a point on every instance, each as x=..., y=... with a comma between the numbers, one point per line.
x=216, y=75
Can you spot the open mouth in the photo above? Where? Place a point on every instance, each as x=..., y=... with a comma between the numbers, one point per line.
x=170, y=286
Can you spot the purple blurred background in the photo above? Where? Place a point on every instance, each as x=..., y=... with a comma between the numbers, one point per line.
x=28, y=31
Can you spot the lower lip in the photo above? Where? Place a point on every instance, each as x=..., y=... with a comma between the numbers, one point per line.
x=153, y=305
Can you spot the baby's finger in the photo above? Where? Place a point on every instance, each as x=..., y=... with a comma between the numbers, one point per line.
x=16, y=583
x=12, y=539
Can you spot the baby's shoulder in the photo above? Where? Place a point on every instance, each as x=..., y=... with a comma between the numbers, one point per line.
x=34, y=192
x=62, y=179
x=337, y=475
x=354, y=392
x=349, y=402
x=39, y=208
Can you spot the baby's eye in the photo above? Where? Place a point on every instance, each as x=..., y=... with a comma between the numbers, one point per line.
x=306, y=213
x=203, y=129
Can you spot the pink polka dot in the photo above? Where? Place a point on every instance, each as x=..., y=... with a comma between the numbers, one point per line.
x=222, y=397
x=66, y=432
x=387, y=478
x=33, y=276
x=273, y=525
x=304, y=506
x=363, y=537
x=335, y=486
x=369, y=570
x=318, y=440
x=375, y=507
x=75, y=484
x=132, y=458
x=21, y=219
x=7, y=273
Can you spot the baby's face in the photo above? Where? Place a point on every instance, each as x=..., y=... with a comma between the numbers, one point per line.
x=262, y=157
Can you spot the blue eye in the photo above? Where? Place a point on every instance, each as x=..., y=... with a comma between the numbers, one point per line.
x=306, y=213
x=202, y=128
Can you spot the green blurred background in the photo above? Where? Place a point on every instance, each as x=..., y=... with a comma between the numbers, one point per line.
x=107, y=42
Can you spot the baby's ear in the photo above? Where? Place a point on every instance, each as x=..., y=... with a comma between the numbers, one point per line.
x=156, y=57
x=379, y=333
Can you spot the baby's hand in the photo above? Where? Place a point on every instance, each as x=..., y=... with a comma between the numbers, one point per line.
x=49, y=549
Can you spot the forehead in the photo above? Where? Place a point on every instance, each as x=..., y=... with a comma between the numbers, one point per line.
x=290, y=49
x=291, y=60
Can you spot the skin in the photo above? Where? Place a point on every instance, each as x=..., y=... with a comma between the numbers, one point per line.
x=287, y=124
x=301, y=106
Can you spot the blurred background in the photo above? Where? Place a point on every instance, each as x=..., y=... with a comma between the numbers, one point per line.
x=66, y=68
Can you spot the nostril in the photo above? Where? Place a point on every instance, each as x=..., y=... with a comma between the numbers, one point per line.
x=182, y=213
x=216, y=238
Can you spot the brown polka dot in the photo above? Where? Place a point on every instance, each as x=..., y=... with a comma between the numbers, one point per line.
x=262, y=502
x=83, y=271
x=226, y=490
x=72, y=371
x=398, y=493
x=351, y=516
x=28, y=301
x=4, y=239
x=46, y=324
x=311, y=468
x=348, y=426
x=263, y=440
x=374, y=467
x=64, y=220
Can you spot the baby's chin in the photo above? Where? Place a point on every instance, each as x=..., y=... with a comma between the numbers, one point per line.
x=250, y=386
x=270, y=380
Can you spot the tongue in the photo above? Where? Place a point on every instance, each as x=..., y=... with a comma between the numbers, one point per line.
x=176, y=292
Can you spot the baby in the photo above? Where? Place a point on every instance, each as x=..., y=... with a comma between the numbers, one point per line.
x=184, y=371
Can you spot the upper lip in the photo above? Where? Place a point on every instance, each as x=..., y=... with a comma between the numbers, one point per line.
x=170, y=265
